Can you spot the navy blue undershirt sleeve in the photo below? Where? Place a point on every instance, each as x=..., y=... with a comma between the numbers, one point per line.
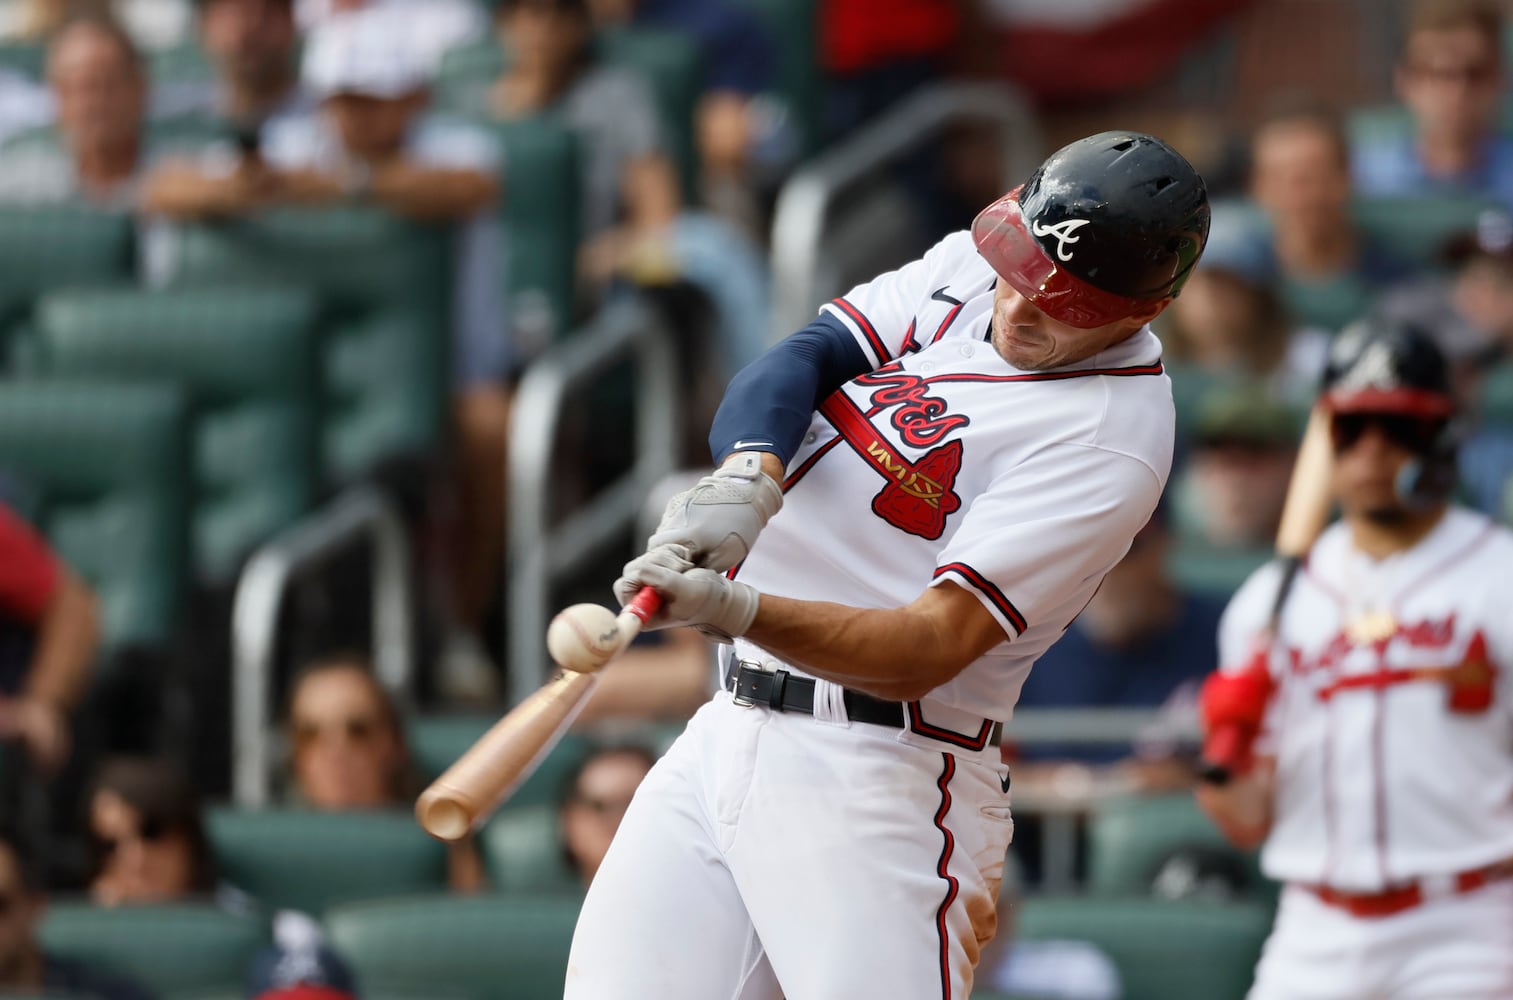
x=769, y=405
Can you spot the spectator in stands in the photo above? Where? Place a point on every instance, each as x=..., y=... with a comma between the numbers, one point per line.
x=871, y=62
x=25, y=967
x=597, y=794
x=435, y=26
x=100, y=88
x=152, y=24
x=349, y=750
x=1140, y=640
x=1230, y=496
x=1047, y=970
x=252, y=46
x=630, y=193
x=1452, y=80
x=149, y=835
x=49, y=638
x=1328, y=270
x=745, y=135
x=1230, y=323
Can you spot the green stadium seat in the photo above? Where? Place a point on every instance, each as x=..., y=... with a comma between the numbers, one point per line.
x=522, y=851
x=794, y=27
x=385, y=290
x=1129, y=836
x=312, y=861
x=1212, y=570
x=669, y=61
x=1496, y=399
x=489, y=947
x=56, y=246
x=1416, y=228
x=540, y=211
x=437, y=741
x=1164, y=950
x=26, y=58
x=246, y=358
x=178, y=951
x=110, y=464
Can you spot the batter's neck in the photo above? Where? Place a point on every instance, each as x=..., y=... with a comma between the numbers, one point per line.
x=1382, y=537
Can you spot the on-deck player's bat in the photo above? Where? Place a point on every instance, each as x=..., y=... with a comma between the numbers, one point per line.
x=582, y=639
x=1304, y=515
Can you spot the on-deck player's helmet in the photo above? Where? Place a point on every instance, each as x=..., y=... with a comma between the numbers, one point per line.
x=1105, y=226
x=1389, y=368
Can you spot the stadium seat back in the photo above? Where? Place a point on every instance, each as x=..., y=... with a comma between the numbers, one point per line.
x=489, y=947
x=384, y=286
x=669, y=62
x=522, y=851
x=109, y=464
x=1415, y=228
x=793, y=25
x=246, y=358
x=542, y=158
x=1163, y=950
x=178, y=951
x=312, y=861
x=1130, y=836
x=57, y=246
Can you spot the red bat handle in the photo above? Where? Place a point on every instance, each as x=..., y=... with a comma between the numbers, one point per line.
x=645, y=604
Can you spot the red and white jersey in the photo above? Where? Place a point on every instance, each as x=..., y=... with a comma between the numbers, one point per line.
x=1392, y=724
x=947, y=463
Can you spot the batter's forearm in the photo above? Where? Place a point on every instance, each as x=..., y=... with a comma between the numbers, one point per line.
x=1241, y=809
x=898, y=653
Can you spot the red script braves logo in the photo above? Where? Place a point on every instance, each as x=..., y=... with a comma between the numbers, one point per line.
x=918, y=496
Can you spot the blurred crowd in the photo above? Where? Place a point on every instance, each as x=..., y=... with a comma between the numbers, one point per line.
x=183, y=114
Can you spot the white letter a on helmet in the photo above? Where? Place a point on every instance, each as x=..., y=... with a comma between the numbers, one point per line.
x=1063, y=232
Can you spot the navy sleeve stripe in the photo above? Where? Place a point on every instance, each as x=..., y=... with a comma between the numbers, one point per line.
x=868, y=330
x=985, y=586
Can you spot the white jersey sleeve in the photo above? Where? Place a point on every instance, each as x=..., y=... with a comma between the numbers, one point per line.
x=880, y=313
x=1037, y=543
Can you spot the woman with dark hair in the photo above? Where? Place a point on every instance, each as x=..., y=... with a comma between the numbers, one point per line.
x=594, y=799
x=149, y=838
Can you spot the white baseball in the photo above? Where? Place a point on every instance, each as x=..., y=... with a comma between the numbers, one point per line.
x=583, y=638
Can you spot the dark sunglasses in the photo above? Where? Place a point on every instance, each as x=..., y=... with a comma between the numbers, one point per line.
x=358, y=730
x=151, y=831
x=1475, y=74
x=1415, y=434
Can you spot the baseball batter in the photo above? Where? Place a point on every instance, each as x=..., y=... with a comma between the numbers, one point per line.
x=1381, y=771
x=942, y=467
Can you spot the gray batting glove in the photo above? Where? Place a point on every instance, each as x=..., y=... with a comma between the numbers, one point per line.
x=720, y=517
x=718, y=607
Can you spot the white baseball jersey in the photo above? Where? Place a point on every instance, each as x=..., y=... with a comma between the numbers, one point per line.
x=1392, y=725
x=947, y=463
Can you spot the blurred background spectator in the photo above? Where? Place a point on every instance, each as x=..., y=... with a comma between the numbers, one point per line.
x=148, y=835
x=597, y=794
x=1451, y=80
x=298, y=966
x=25, y=966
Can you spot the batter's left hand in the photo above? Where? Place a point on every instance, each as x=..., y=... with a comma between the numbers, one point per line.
x=719, y=518
x=718, y=607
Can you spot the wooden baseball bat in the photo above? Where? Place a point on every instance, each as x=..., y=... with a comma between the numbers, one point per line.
x=1304, y=515
x=491, y=769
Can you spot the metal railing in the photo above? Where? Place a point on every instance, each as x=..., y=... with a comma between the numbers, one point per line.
x=361, y=513
x=545, y=548
x=804, y=270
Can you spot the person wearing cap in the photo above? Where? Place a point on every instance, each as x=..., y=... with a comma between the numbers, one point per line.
x=915, y=495
x=299, y=966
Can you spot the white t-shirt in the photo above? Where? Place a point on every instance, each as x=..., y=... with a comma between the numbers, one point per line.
x=1379, y=779
x=947, y=463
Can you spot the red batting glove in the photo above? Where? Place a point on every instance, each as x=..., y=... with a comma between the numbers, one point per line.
x=1233, y=706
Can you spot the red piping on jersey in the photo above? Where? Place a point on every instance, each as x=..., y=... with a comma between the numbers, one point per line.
x=1379, y=679
x=809, y=463
x=945, y=324
x=918, y=724
x=986, y=587
x=942, y=867
x=1327, y=759
x=868, y=330
x=1155, y=369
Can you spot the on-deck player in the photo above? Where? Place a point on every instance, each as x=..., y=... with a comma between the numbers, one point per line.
x=965, y=446
x=1381, y=773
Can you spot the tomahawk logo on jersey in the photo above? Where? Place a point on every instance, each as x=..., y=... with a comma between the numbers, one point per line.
x=1054, y=459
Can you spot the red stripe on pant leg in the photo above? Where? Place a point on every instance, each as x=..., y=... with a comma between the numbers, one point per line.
x=941, y=869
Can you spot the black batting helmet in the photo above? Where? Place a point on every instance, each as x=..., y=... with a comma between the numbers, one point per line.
x=1378, y=365
x=1105, y=226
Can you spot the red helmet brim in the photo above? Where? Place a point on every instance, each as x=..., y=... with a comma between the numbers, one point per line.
x=1407, y=401
x=1006, y=244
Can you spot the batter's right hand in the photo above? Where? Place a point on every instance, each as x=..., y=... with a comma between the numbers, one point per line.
x=646, y=568
x=719, y=518
x=1233, y=704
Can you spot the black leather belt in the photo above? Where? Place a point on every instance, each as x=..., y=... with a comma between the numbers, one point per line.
x=783, y=692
